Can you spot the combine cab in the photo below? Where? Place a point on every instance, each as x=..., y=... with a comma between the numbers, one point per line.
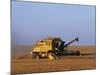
x=52, y=48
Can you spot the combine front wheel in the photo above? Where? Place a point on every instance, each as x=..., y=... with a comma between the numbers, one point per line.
x=52, y=56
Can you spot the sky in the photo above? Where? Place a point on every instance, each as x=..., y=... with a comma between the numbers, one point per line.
x=33, y=21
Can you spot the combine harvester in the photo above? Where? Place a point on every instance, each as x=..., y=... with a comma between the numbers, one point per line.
x=52, y=48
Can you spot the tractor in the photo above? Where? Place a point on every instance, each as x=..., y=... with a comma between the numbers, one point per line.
x=52, y=48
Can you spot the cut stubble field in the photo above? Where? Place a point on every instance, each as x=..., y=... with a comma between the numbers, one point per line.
x=25, y=64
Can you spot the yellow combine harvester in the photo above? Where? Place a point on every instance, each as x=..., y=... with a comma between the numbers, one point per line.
x=52, y=48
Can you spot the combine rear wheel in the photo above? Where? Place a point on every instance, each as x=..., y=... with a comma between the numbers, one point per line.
x=35, y=56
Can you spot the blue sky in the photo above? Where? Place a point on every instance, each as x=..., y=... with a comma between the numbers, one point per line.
x=34, y=21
